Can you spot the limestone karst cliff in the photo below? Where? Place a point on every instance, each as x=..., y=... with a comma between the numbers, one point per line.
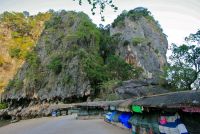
x=73, y=60
x=141, y=41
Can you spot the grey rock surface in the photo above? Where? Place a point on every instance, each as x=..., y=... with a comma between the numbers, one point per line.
x=42, y=83
x=150, y=53
x=139, y=88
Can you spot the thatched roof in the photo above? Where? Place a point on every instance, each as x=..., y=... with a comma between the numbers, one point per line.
x=125, y=106
x=171, y=100
x=181, y=99
x=99, y=103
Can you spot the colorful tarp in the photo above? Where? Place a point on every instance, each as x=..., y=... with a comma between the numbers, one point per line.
x=192, y=109
x=145, y=123
x=115, y=117
x=109, y=115
x=137, y=109
x=124, y=118
x=171, y=124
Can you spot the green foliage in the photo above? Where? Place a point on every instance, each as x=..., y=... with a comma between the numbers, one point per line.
x=180, y=77
x=94, y=67
x=110, y=85
x=16, y=22
x=15, y=52
x=138, y=40
x=156, y=51
x=54, y=22
x=10, y=84
x=134, y=14
x=194, y=37
x=25, y=30
x=107, y=43
x=102, y=4
x=118, y=69
x=67, y=79
x=106, y=67
x=119, y=21
x=15, y=84
x=55, y=64
x=18, y=84
x=3, y=105
x=87, y=32
x=32, y=59
x=184, y=69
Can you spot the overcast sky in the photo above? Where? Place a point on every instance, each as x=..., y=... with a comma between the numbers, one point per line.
x=178, y=18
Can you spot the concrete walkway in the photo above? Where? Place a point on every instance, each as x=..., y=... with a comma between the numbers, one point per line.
x=61, y=125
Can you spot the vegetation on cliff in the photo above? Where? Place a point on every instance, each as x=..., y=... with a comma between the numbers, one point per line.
x=135, y=15
x=19, y=33
x=70, y=39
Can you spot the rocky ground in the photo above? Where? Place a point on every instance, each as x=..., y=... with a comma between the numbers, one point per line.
x=61, y=125
x=31, y=111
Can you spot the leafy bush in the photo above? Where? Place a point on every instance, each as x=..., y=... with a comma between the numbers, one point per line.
x=108, y=44
x=110, y=85
x=16, y=84
x=67, y=79
x=10, y=84
x=156, y=51
x=3, y=105
x=32, y=59
x=54, y=22
x=87, y=32
x=135, y=15
x=55, y=64
x=15, y=52
x=119, y=21
x=119, y=69
x=94, y=67
x=138, y=40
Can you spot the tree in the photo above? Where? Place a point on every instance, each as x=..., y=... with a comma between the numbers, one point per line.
x=117, y=68
x=184, y=69
x=102, y=5
x=194, y=37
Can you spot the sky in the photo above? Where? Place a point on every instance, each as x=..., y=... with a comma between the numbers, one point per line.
x=178, y=18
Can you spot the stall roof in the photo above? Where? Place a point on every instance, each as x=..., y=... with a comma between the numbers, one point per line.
x=99, y=103
x=181, y=99
x=170, y=100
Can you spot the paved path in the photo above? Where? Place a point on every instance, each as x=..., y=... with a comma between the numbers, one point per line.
x=61, y=125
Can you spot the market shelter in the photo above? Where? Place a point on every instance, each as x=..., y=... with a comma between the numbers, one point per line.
x=175, y=112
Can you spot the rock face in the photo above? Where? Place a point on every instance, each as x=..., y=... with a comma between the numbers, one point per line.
x=139, y=88
x=142, y=42
x=54, y=71
x=18, y=34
